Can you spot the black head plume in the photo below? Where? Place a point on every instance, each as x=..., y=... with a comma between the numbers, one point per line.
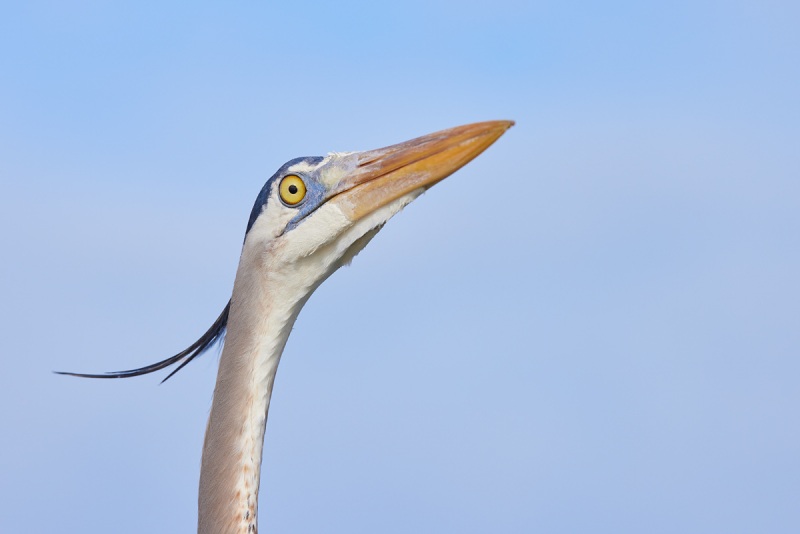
x=212, y=335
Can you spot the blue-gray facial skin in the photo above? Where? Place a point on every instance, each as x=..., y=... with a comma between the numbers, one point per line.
x=315, y=192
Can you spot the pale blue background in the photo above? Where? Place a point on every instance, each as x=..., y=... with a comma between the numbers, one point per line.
x=591, y=328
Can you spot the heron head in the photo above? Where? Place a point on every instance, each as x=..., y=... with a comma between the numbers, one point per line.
x=315, y=213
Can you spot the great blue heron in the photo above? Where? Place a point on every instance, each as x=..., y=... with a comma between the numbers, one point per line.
x=310, y=218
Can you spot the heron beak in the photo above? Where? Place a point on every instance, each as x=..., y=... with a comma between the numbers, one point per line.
x=381, y=176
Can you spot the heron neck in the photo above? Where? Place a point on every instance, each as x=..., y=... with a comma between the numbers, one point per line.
x=261, y=317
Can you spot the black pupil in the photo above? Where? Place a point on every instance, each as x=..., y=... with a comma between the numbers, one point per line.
x=293, y=189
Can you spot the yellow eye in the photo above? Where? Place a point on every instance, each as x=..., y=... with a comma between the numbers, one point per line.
x=292, y=189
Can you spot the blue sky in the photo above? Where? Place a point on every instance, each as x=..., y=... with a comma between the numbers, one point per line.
x=593, y=327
